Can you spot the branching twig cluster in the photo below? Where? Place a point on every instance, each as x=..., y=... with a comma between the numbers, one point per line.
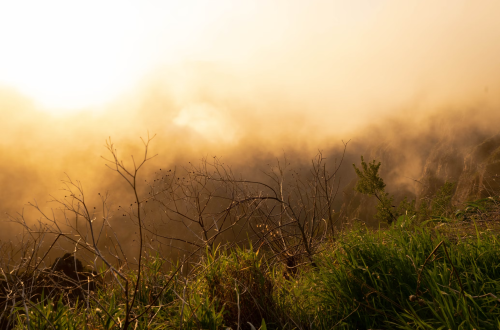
x=185, y=211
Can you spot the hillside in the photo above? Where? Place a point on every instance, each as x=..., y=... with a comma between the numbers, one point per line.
x=271, y=253
x=471, y=165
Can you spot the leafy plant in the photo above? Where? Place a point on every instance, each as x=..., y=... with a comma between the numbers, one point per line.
x=238, y=279
x=49, y=314
x=370, y=183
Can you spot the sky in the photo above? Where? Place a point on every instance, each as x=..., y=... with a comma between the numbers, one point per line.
x=335, y=56
x=244, y=80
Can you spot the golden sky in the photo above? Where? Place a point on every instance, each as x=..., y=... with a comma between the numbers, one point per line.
x=329, y=56
x=221, y=75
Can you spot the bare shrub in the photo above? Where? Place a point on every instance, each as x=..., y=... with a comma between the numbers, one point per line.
x=192, y=209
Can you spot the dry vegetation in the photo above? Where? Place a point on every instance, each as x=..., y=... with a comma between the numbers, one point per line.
x=211, y=250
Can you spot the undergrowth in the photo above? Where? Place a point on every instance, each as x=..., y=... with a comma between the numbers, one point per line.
x=436, y=268
x=410, y=276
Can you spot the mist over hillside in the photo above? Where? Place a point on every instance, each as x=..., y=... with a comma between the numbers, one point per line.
x=418, y=153
x=276, y=81
x=456, y=147
x=254, y=164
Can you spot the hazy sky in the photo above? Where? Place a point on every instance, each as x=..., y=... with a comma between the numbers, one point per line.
x=221, y=76
x=328, y=56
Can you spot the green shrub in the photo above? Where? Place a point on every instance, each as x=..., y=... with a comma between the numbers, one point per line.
x=239, y=280
x=370, y=183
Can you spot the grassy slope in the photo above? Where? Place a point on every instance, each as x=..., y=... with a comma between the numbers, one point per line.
x=432, y=275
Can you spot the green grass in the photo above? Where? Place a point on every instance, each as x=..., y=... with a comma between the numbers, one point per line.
x=411, y=276
x=372, y=281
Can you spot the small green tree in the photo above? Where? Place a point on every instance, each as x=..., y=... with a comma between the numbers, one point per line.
x=370, y=183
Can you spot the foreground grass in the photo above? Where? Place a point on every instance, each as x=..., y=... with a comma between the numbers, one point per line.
x=406, y=277
x=416, y=279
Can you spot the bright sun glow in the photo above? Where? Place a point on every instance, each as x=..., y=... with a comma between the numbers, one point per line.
x=71, y=55
x=81, y=54
x=68, y=55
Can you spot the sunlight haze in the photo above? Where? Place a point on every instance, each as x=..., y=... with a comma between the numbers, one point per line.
x=72, y=56
x=149, y=149
x=232, y=79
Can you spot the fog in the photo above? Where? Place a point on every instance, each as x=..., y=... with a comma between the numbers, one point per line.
x=264, y=80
